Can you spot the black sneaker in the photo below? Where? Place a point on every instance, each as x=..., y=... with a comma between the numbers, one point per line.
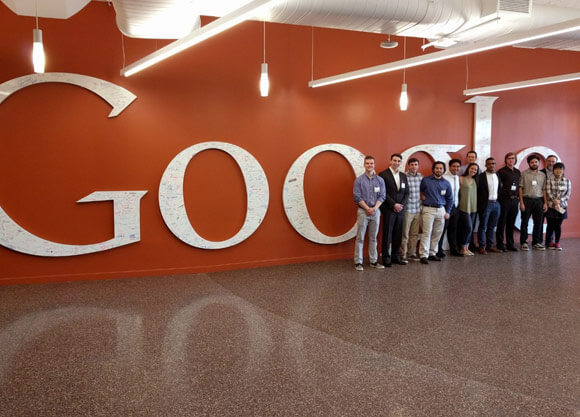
x=434, y=258
x=424, y=261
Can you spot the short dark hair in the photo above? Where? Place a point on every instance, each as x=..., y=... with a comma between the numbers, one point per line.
x=466, y=173
x=410, y=161
x=438, y=163
x=369, y=157
x=552, y=156
x=471, y=151
x=507, y=155
x=532, y=157
x=455, y=161
x=396, y=154
x=490, y=159
x=559, y=165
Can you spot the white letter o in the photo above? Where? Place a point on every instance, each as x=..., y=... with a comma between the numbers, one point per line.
x=172, y=204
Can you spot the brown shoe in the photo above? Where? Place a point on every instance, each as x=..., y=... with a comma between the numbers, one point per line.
x=494, y=250
x=482, y=251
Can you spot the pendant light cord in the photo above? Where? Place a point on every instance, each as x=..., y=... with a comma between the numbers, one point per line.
x=404, y=56
x=466, y=70
x=312, y=56
x=264, y=41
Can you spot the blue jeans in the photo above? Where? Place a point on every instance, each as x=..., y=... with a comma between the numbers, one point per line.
x=372, y=223
x=466, y=225
x=487, y=223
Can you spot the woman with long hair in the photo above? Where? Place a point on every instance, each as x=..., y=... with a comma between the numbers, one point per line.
x=467, y=206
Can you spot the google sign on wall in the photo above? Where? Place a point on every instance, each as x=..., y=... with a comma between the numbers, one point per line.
x=126, y=204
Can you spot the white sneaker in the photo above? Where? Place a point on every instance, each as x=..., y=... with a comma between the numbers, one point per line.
x=525, y=246
x=539, y=246
x=377, y=265
x=359, y=267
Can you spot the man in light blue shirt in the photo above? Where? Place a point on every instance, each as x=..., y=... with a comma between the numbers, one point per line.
x=369, y=193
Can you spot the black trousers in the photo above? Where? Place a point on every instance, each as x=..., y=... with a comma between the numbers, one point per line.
x=392, y=235
x=506, y=223
x=451, y=227
x=554, y=228
x=534, y=207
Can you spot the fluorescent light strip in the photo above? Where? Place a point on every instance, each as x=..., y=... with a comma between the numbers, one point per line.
x=499, y=42
x=211, y=29
x=523, y=84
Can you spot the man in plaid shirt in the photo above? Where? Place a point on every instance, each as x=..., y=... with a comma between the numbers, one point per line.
x=412, y=218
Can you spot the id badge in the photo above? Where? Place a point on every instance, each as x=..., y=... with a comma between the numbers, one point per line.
x=513, y=187
x=402, y=185
x=443, y=192
x=534, y=182
x=563, y=188
x=377, y=189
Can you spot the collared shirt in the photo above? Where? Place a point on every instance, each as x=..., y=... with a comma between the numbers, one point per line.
x=492, y=185
x=454, y=181
x=414, y=201
x=533, y=183
x=510, y=181
x=558, y=189
x=437, y=192
x=370, y=190
x=397, y=178
x=549, y=172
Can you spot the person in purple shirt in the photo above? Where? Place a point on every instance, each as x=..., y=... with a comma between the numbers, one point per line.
x=437, y=196
x=369, y=193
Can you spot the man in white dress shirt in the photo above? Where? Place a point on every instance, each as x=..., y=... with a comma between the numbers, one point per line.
x=488, y=208
x=450, y=228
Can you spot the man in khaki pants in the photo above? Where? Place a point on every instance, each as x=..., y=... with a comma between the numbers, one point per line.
x=412, y=218
x=437, y=197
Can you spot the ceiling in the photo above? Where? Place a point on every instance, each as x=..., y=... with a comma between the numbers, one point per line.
x=456, y=21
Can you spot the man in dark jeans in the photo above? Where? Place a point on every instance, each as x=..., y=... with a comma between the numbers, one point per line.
x=532, y=203
x=488, y=209
x=509, y=177
x=451, y=224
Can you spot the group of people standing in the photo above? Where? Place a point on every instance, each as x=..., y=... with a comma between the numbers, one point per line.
x=448, y=203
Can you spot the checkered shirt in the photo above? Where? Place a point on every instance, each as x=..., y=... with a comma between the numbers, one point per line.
x=414, y=202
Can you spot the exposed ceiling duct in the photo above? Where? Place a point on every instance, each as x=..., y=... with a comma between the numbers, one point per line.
x=441, y=22
x=56, y=9
x=156, y=19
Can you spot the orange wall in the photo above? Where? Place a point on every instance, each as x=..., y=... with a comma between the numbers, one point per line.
x=57, y=144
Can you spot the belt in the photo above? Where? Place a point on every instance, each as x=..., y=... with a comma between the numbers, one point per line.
x=492, y=201
x=431, y=205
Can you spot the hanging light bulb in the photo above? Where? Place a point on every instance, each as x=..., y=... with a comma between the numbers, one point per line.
x=37, y=51
x=37, y=47
x=404, y=99
x=264, y=81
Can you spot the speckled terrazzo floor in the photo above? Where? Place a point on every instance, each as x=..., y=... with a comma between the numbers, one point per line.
x=495, y=335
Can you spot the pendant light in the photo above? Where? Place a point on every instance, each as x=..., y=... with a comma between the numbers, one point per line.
x=404, y=99
x=264, y=81
x=37, y=47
